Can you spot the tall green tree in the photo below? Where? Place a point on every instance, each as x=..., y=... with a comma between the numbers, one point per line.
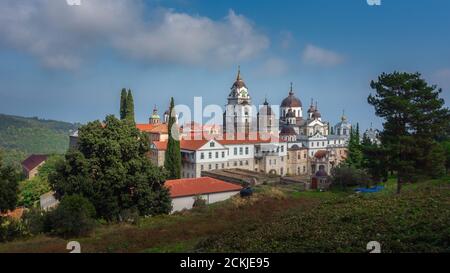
x=130, y=107
x=374, y=160
x=8, y=187
x=172, y=161
x=111, y=169
x=414, y=117
x=354, y=155
x=123, y=104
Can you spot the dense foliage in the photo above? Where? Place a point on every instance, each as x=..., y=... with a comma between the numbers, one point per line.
x=111, y=169
x=172, y=161
x=8, y=186
x=347, y=176
x=20, y=137
x=73, y=217
x=416, y=221
x=414, y=119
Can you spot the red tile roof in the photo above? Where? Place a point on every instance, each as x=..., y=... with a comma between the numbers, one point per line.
x=321, y=154
x=33, y=161
x=153, y=128
x=198, y=186
x=195, y=144
x=15, y=214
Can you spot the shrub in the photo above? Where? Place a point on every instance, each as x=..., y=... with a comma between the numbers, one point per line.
x=73, y=217
x=130, y=216
x=11, y=229
x=199, y=202
x=347, y=176
x=34, y=221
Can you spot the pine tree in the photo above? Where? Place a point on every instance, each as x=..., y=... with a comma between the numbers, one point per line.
x=172, y=161
x=123, y=104
x=130, y=107
x=414, y=118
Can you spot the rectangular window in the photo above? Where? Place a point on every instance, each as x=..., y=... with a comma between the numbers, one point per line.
x=210, y=166
x=209, y=155
x=217, y=154
x=212, y=144
x=235, y=151
x=217, y=166
x=246, y=150
x=223, y=154
x=202, y=156
x=241, y=151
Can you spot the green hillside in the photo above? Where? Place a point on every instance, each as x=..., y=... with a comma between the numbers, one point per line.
x=282, y=219
x=21, y=136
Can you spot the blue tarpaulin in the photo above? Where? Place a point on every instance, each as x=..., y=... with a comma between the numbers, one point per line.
x=370, y=190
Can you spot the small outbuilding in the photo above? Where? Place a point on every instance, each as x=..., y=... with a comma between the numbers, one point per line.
x=185, y=191
x=31, y=165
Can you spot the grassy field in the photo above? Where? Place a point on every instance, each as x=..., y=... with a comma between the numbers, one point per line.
x=283, y=219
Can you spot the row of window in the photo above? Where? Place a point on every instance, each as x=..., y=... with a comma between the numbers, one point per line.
x=324, y=143
x=222, y=165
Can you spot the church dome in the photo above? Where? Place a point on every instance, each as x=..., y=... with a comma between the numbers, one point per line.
x=317, y=114
x=291, y=100
x=287, y=130
x=239, y=83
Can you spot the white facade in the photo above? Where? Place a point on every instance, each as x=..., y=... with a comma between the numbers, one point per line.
x=187, y=202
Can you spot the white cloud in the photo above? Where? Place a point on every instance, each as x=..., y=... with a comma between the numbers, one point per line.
x=273, y=67
x=287, y=39
x=61, y=36
x=319, y=56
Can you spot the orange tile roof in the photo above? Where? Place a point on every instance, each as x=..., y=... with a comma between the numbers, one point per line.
x=198, y=186
x=160, y=145
x=15, y=214
x=153, y=128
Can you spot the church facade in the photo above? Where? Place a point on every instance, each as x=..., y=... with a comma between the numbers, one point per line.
x=287, y=143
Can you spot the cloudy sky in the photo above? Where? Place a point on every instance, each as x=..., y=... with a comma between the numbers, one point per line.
x=70, y=62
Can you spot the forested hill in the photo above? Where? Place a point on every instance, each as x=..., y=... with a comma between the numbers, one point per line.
x=20, y=137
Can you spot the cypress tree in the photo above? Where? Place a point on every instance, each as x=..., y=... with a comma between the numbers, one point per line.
x=123, y=104
x=172, y=161
x=130, y=107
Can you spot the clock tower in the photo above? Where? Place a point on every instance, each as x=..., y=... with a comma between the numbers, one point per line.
x=238, y=111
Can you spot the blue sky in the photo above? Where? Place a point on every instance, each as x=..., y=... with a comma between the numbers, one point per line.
x=70, y=62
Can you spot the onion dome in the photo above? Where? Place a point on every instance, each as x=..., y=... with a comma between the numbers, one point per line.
x=291, y=100
x=316, y=113
x=155, y=113
x=287, y=130
x=239, y=83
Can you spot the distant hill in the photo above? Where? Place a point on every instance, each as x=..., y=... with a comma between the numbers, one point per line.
x=21, y=136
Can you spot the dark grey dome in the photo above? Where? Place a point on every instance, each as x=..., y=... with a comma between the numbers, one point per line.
x=287, y=130
x=291, y=101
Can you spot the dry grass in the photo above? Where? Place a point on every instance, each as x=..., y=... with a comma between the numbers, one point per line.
x=183, y=230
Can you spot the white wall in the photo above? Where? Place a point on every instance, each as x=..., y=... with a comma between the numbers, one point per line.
x=180, y=203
